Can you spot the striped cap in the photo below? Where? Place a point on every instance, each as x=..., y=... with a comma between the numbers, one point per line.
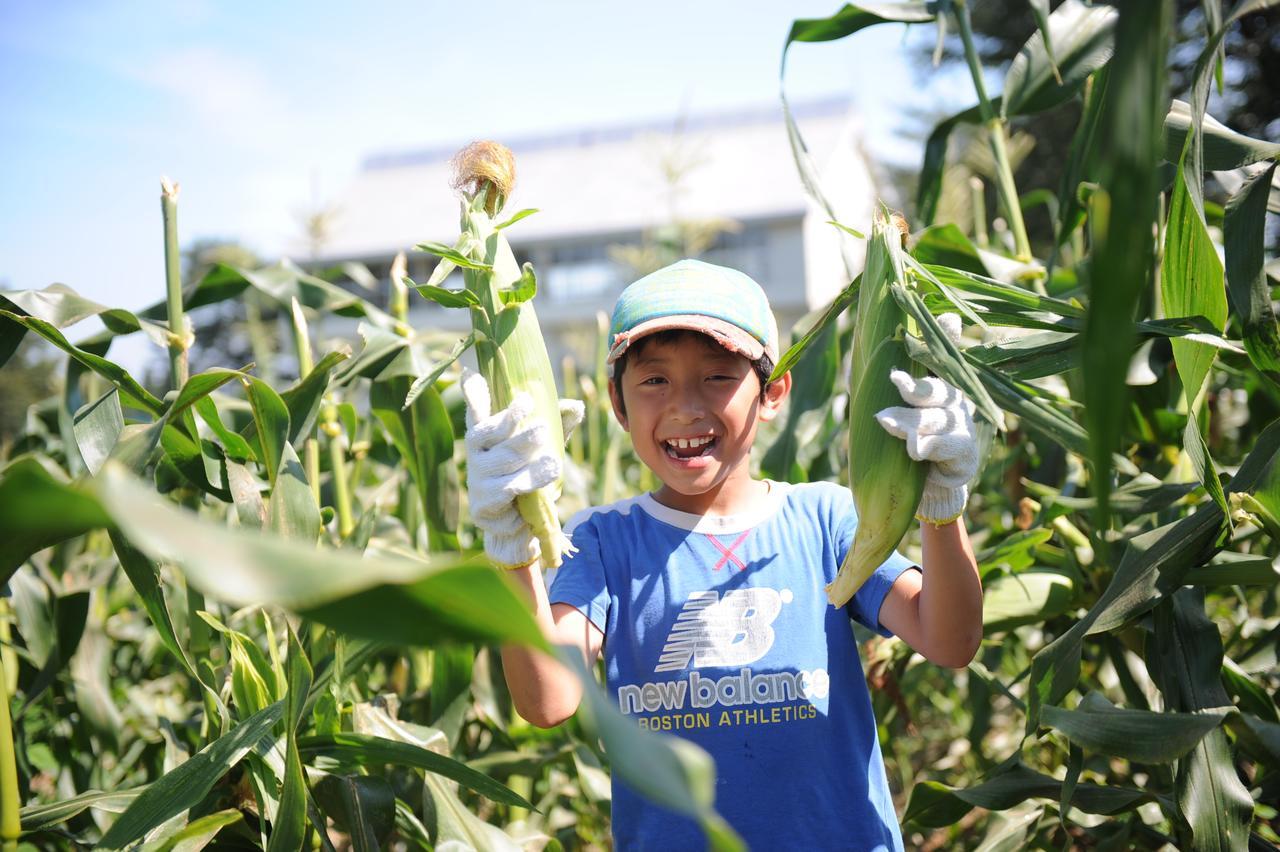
x=720, y=302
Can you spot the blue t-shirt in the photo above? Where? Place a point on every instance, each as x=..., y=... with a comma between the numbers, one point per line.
x=718, y=630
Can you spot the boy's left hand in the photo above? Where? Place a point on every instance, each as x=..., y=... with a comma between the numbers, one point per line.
x=938, y=428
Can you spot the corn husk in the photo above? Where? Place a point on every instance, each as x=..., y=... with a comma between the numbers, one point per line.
x=886, y=482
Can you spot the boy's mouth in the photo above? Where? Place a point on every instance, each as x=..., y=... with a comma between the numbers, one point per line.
x=688, y=448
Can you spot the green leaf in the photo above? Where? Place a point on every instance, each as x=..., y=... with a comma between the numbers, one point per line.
x=447, y=298
x=1196, y=449
x=1235, y=569
x=292, y=511
x=196, y=834
x=1040, y=11
x=145, y=577
x=1244, y=236
x=366, y=750
x=523, y=214
x=1144, y=736
x=290, y=826
x=1123, y=221
x=523, y=290
x=363, y=806
x=1185, y=660
x=109, y=370
x=1081, y=161
x=1154, y=563
x=41, y=817
x=186, y=786
x=97, y=429
x=1224, y=148
x=990, y=288
x=796, y=351
x=429, y=378
x=951, y=364
x=812, y=385
x=929, y=188
x=270, y=427
x=1027, y=597
x=1191, y=284
x=934, y=805
x=452, y=255
x=303, y=399
x=40, y=511
x=1083, y=38
x=423, y=435
x=407, y=600
x=853, y=17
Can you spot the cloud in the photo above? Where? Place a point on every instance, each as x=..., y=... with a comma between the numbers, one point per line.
x=226, y=97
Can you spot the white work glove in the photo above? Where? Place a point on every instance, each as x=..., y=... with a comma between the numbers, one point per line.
x=937, y=425
x=508, y=454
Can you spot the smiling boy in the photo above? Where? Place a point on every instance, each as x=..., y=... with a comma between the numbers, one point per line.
x=706, y=596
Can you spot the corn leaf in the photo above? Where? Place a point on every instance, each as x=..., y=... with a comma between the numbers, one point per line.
x=453, y=255
x=291, y=510
x=1121, y=268
x=367, y=750
x=1010, y=600
x=41, y=817
x=812, y=384
x=411, y=601
x=1243, y=230
x=951, y=364
x=429, y=377
x=1191, y=284
x=302, y=400
x=929, y=189
x=423, y=435
x=1144, y=736
x=1185, y=659
x=1154, y=563
x=270, y=427
x=40, y=511
x=522, y=291
x=934, y=805
x=1083, y=38
x=195, y=835
x=853, y=17
x=1224, y=148
x=362, y=806
x=187, y=785
x=289, y=828
x=817, y=329
x=523, y=214
x=134, y=393
x=444, y=297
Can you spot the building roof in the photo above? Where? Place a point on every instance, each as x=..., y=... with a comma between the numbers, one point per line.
x=604, y=180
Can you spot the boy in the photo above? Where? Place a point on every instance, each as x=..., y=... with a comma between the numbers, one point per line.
x=706, y=596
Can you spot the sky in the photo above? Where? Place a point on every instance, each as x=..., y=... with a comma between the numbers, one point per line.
x=260, y=110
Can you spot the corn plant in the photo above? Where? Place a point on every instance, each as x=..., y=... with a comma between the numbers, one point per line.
x=1126, y=518
x=252, y=615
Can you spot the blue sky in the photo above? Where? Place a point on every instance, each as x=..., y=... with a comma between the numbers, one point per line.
x=252, y=106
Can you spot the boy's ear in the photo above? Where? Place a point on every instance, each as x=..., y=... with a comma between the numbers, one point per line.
x=774, y=396
x=617, y=406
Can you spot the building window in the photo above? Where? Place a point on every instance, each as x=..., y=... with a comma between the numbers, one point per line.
x=579, y=271
x=746, y=249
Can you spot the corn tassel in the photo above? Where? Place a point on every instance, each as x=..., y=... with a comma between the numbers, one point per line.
x=886, y=482
x=510, y=350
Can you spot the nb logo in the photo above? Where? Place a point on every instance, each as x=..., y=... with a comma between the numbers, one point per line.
x=730, y=631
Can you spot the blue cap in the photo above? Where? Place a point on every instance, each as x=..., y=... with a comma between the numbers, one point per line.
x=717, y=301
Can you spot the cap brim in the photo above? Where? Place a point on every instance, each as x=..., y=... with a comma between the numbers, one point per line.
x=725, y=333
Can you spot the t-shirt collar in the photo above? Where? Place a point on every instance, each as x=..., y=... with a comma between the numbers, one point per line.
x=717, y=524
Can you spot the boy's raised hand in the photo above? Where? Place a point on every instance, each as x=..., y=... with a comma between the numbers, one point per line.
x=937, y=425
x=508, y=454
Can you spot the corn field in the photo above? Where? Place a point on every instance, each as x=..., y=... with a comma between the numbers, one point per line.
x=241, y=614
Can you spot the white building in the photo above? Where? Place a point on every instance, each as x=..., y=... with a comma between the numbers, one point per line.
x=601, y=188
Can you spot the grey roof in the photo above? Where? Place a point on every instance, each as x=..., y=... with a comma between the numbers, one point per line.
x=606, y=180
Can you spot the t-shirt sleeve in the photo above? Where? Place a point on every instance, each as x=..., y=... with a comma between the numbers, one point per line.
x=865, y=605
x=580, y=579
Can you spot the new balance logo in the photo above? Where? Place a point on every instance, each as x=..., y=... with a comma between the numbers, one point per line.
x=730, y=631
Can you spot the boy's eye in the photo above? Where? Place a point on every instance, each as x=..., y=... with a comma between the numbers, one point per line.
x=653, y=380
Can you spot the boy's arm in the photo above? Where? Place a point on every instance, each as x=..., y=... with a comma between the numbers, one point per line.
x=543, y=690
x=938, y=611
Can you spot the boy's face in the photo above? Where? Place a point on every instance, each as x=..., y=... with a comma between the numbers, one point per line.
x=692, y=408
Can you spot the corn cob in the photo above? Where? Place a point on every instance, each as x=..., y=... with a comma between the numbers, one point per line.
x=886, y=482
x=510, y=350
